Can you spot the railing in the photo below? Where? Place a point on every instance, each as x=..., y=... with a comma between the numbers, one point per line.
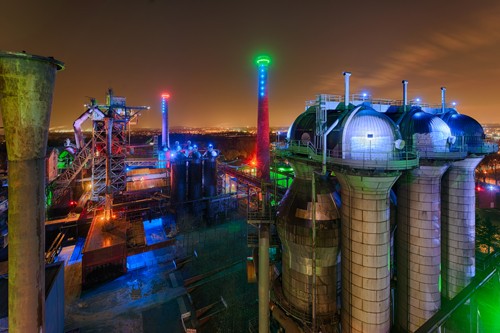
x=370, y=159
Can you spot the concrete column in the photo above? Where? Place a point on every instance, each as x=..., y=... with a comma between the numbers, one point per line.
x=26, y=86
x=458, y=220
x=365, y=247
x=263, y=278
x=418, y=240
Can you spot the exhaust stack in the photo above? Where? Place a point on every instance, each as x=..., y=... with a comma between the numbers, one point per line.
x=405, y=94
x=443, y=99
x=26, y=88
x=346, y=85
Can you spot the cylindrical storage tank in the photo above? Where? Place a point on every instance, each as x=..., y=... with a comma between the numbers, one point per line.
x=365, y=251
x=178, y=178
x=458, y=216
x=294, y=224
x=194, y=177
x=210, y=176
x=419, y=245
x=26, y=89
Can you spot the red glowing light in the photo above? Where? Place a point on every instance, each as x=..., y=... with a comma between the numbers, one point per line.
x=165, y=95
x=253, y=162
x=479, y=188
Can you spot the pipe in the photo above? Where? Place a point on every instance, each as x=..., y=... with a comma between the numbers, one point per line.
x=325, y=143
x=285, y=322
x=346, y=84
x=405, y=94
x=443, y=99
x=26, y=88
x=314, y=287
x=263, y=278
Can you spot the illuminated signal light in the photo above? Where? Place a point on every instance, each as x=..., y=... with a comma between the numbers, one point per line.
x=165, y=95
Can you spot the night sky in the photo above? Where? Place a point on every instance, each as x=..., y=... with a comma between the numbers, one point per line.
x=203, y=53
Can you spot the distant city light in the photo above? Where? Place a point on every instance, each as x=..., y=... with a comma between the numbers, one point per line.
x=454, y=103
x=418, y=100
x=365, y=94
x=165, y=95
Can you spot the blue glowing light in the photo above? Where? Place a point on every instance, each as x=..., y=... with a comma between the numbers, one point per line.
x=262, y=76
x=491, y=187
x=262, y=94
x=365, y=94
x=261, y=82
x=418, y=100
x=454, y=103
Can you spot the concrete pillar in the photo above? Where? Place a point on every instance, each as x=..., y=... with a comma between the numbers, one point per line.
x=26, y=87
x=458, y=220
x=418, y=240
x=263, y=278
x=365, y=247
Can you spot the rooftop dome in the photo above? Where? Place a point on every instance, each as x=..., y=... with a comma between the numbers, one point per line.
x=463, y=125
x=425, y=131
x=368, y=135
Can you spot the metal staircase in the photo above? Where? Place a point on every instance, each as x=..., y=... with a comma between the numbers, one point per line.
x=81, y=159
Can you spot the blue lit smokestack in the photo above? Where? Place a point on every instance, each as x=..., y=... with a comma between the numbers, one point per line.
x=405, y=94
x=165, y=142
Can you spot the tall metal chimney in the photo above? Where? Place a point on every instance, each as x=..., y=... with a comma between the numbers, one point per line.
x=26, y=87
x=443, y=99
x=165, y=140
x=263, y=156
x=263, y=160
x=346, y=85
x=405, y=94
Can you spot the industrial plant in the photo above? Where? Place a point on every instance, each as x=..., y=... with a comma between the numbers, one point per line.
x=362, y=220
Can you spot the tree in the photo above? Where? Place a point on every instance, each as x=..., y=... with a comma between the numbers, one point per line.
x=487, y=233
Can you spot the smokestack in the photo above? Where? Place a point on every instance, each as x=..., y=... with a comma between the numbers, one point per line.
x=263, y=156
x=443, y=99
x=346, y=84
x=405, y=94
x=165, y=140
x=263, y=159
x=26, y=88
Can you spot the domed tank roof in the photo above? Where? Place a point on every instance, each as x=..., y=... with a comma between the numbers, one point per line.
x=463, y=125
x=425, y=131
x=368, y=135
x=303, y=127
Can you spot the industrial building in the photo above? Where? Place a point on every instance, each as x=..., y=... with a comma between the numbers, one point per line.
x=374, y=234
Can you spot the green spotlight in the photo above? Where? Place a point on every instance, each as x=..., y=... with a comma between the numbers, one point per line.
x=263, y=60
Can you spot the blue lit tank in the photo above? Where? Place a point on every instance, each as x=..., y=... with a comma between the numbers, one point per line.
x=194, y=175
x=463, y=125
x=210, y=172
x=425, y=132
x=177, y=177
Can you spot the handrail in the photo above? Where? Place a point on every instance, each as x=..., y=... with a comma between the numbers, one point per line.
x=390, y=160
